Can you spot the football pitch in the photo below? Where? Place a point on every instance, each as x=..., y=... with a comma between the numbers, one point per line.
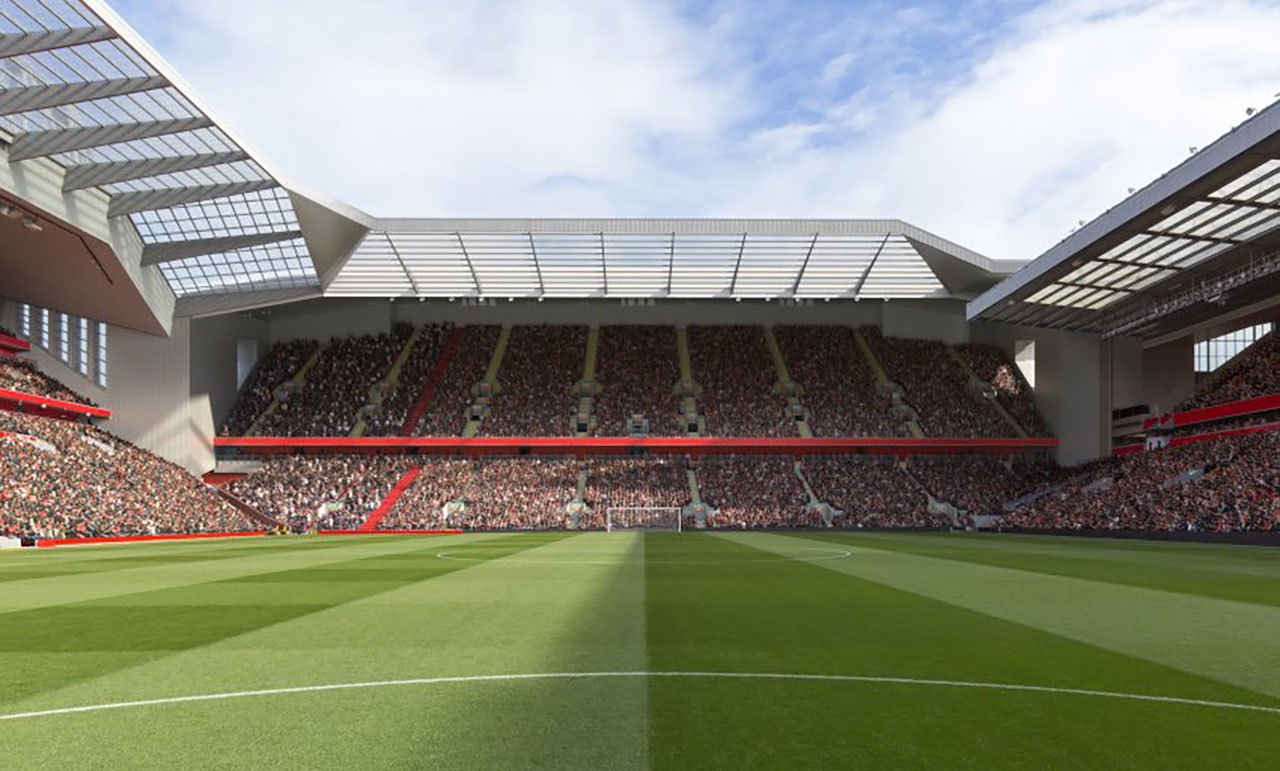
x=641, y=650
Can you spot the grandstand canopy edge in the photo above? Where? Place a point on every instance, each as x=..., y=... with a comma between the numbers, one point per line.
x=1200, y=241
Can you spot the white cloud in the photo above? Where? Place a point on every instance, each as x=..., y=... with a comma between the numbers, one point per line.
x=565, y=108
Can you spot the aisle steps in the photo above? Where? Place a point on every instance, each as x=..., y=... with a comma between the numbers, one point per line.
x=484, y=391
x=423, y=402
x=377, y=515
x=282, y=392
x=379, y=391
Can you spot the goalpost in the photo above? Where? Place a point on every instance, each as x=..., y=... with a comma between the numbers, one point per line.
x=642, y=518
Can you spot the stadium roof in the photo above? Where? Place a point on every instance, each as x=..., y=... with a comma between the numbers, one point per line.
x=644, y=258
x=81, y=90
x=79, y=87
x=1201, y=237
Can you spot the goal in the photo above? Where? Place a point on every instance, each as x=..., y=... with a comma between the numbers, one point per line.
x=642, y=518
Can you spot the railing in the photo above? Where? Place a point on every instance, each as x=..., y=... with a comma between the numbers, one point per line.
x=1216, y=412
x=17, y=401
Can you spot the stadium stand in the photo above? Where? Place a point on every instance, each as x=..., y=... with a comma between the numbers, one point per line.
x=733, y=367
x=441, y=481
x=1230, y=484
x=1254, y=372
x=753, y=492
x=539, y=369
x=328, y=402
x=638, y=370
x=320, y=492
x=1009, y=386
x=66, y=480
x=870, y=493
x=413, y=376
x=278, y=366
x=637, y=482
x=936, y=387
x=24, y=376
x=839, y=386
x=454, y=393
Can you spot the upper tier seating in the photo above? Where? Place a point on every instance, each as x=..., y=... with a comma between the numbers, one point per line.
x=937, y=387
x=337, y=386
x=1254, y=372
x=24, y=376
x=76, y=481
x=733, y=366
x=454, y=392
x=1012, y=390
x=413, y=376
x=839, y=386
x=539, y=369
x=281, y=362
x=637, y=368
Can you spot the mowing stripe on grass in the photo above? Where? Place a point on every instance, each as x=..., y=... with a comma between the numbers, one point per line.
x=1219, y=639
x=584, y=675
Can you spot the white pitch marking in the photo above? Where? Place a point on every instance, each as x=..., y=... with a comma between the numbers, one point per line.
x=720, y=675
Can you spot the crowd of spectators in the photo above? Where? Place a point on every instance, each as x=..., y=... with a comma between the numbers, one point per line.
x=839, y=386
x=440, y=481
x=7, y=332
x=980, y=485
x=1229, y=484
x=753, y=492
x=736, y=372
x=539, y=369
x=70, y=480
x=454, y=393
x=294, y=489
x=650, y=482
x=413, y=377
x=872, y=492
x=279, y=365
x=22, y=375
x=337, y=386
x=937, y=387
x=638, y=369
x=1255, y=371
x=1011, y=389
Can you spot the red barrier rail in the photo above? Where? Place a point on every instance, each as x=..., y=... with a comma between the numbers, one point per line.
x=620, y=445
x=45, y=543
x=12, y=346
x=17, y=401
x=1216, y=412
x=1178, y=441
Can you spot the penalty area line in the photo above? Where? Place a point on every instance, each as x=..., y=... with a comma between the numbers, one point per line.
x=910, y=681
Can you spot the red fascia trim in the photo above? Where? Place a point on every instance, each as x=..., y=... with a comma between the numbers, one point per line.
x=1218, y=411
x=55, y=405
x=14, y=344
x=45, y=543
x=617, y=445
x=390, y=532
x=1178, y=441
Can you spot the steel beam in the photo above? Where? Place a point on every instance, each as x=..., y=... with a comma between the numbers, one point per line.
x=38, y=144
x=47, y=40
x=171, y=251
x=98, y=174
x=165, y=198
x=42, y=97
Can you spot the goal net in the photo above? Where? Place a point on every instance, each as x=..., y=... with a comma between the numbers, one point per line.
x=642, y=518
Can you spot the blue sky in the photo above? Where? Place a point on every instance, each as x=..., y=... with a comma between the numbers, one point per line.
x=996, y=123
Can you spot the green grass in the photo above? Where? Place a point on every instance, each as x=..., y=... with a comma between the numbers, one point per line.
x=104, y=625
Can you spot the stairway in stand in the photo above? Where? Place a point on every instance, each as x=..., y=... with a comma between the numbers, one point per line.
x=377, y=515
x=423, y=401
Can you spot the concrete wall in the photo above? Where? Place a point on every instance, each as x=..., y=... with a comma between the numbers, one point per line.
x=149, y=393
x=1072, y=385
x=926, y=320
x=214, y=359
x=1168, y=374
x=327, y=320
